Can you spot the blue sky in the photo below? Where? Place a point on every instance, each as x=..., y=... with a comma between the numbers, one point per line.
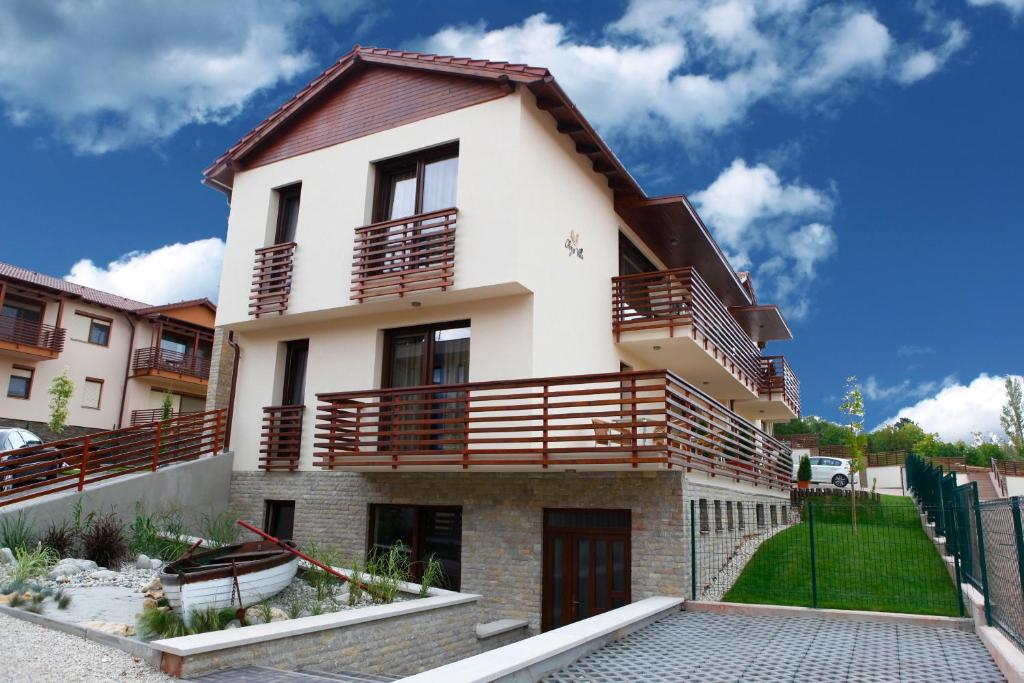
x=862, y=159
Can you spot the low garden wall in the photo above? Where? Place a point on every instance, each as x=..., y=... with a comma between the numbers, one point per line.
x=400, y=639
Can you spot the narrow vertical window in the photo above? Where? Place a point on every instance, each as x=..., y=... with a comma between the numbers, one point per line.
x=279, y=518
x=294, y=386
x=705, y=525
x=287, y=213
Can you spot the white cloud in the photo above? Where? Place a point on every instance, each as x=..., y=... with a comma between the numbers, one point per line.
x=1013, y=6
x=690, y=68
x=956, y=411
x=772, y=227
x=876, y=391
x=924, y=62
x=175, y=272
x=110, y=75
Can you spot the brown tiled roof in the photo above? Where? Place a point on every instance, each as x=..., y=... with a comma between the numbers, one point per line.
x=203, y=301
x=30, y=277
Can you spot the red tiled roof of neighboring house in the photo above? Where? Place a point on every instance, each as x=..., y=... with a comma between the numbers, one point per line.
x=203, y=301
x=30, y=277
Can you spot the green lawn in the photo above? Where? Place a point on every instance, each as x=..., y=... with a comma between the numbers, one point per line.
x=889, y=565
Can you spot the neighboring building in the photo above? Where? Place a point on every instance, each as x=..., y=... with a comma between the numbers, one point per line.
x=121, y=354
x=462, y=325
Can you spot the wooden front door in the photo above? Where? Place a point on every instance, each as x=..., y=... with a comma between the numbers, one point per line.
x=586, y=564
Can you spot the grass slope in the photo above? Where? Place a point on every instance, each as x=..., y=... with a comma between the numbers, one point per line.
x=889, y=565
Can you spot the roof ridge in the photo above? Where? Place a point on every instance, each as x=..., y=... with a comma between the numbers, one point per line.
x=32, y=277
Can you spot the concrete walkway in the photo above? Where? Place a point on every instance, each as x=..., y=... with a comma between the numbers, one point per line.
x=728, y=648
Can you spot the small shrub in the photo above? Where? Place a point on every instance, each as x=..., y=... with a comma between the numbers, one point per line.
x=104, y=541
x=17, y=600
x=29, y=564
x=220, y=529
x=16, y=532
x=62, y=599
x=157, y=623
x=323, y=582
x=147, y=536
x=209, y=619
x=61, y=539
x=355, y=584
x=386, y=571
x=266, y=611
x=295, y=608
x=433, y=575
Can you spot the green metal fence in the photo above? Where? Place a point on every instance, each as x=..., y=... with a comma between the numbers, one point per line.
x=821, y=559
x=986, y=540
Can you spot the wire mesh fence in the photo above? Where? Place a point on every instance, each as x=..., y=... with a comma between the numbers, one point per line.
x=818, y=557
x=985, y=539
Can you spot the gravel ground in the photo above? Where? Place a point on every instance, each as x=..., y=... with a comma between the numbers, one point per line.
x=41, y=655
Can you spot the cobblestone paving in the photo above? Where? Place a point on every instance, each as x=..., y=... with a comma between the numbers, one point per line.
x=726, y=648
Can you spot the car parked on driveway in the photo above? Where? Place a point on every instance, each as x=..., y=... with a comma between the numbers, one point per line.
x=14, y=438
x=827, y=470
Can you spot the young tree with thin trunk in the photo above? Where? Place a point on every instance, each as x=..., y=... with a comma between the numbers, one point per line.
x=1012, y=418
x=852, y=406
x=61, y=390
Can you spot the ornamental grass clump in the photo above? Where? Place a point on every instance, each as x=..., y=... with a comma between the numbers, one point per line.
x=386, y=571
x=324, y=583
x=220, y=529
x=31, y=564
x=16, y=532
x=61, y=538
x=105, y=542
x=433, y=575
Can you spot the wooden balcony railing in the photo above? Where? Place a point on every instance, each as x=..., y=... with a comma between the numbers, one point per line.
x=31, y=333
x=679, y=298
x=147, y=415
x=271, y=280
x=625, y=419
x=156, y=358
x=281, y=440
x=779, y=381
x=402, y=256
x=80, y=461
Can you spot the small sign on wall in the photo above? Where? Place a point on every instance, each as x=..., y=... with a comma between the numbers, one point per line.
x=572, y=245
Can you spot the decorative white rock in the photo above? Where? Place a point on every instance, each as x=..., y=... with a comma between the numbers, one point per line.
x=6, y=556
x=143, y=562
x=103, y=574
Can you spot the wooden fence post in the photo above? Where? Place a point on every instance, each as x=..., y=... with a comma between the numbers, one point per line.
x=156, y=445
x=84, y=463
x=216, y=433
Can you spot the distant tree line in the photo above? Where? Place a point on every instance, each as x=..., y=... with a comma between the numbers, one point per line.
x=907, y=435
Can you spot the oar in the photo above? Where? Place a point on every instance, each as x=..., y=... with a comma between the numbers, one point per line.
x=307, y=558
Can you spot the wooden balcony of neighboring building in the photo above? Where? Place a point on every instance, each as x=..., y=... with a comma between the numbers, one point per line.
x=30, y=340
x=616, y=421
x=271, y=280
x=672, y=318
x=400, y=257
x=180, y=370
x=281, y=438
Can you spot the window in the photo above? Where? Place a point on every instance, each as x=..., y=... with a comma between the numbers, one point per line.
x=293, y=392
x=728, y=516
x=92, y=392
x=20, y=384
x=631, y=259
x=279, y=518
x=718, y=515
x=785, y=515
x=742, y=523
x=91, y=328
x=425, y=532
x=705, y=525
x=287, y=213
x=418, y=183
x=759, y=511
x=774, y=515
x=23, y=309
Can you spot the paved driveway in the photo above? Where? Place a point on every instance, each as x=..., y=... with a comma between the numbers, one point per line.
x=727, y=648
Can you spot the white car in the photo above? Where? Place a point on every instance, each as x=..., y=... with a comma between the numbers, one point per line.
x=826, y=470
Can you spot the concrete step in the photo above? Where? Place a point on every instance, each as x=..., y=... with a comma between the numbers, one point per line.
x=350, y=676
x=986, y=491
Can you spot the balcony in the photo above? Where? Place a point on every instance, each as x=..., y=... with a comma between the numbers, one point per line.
x=30, y=340
x=281, y=439
x=672, y=318
x=183, y=369
x=409, y=255
x=271, y=280
x=617, y=421
x=779, y=394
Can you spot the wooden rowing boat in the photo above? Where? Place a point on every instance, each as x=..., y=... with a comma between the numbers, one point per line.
x=207, y=578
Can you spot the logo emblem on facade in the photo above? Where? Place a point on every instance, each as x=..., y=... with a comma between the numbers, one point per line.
x=572, y=244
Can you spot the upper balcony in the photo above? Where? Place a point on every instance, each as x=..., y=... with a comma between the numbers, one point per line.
x=185, y=370
x=672, y=318
x=779, y=393
x=398, y=257
x=30, y=340
x=617, y=421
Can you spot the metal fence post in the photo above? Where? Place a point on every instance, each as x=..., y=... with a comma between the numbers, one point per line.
x=955, y=548
x=981, y=556
x=1018, y=535
x=693, y=550
x=814, y=568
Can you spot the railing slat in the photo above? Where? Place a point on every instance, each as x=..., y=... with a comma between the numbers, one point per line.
x=30, y=333
x=271, y=279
